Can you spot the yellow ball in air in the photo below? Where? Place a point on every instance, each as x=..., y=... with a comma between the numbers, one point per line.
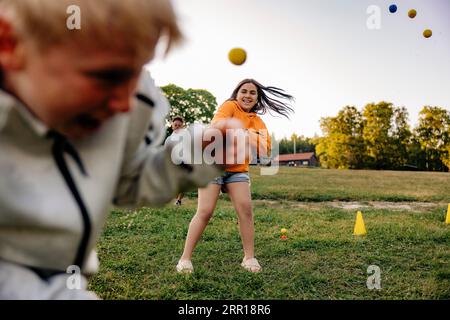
x=412, y=13
x=237, y=56
x=427, y=33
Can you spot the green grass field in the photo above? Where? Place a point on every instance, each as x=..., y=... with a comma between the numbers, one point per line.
x=407, y=238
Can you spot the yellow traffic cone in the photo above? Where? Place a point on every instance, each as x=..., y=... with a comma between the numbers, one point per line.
x=360, y=228
x=447, y=220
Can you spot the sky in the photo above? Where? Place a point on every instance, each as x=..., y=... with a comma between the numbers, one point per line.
x=322, y=52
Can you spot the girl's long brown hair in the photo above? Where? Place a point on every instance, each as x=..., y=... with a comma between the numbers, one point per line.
x=269, y=99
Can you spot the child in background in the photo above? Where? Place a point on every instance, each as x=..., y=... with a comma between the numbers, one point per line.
x=249, y=99
x=75, y=107
x=177, y=126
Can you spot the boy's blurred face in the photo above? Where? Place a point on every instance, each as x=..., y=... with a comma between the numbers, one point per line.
x=74, y=90
x=177, y=124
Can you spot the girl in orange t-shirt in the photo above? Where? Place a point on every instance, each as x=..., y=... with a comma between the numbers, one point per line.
x=249, y=99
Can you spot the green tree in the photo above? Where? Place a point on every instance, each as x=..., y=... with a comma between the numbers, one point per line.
x=402, y=139
x=285, y=146
x=194, y=105
x=297, y=144
x=445, y=157
x=302, y=144
x=416, y=156
x=433, y=135
x=377, y=126
x=342, y=145
x=386, y=136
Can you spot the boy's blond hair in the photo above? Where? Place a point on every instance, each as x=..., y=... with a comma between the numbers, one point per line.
x=140, y=22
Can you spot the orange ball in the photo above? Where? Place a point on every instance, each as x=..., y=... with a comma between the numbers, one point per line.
x=412, y=13
x=237, y=56
x=427, y=33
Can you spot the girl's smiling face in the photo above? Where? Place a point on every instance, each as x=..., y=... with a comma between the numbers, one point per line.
x=247, y=96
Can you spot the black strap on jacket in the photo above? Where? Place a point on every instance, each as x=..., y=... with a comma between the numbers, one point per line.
x=143, y=98
x=61, y=146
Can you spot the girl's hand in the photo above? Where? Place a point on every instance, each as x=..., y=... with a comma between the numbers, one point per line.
x=225, y=138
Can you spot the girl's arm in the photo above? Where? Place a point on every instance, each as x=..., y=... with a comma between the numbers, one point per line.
x=264, y=142
x=225, y=111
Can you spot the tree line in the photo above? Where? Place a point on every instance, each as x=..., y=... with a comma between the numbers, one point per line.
x=379, y=137
x=296, y=144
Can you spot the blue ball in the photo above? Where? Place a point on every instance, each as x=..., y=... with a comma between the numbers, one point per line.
x=393, y=8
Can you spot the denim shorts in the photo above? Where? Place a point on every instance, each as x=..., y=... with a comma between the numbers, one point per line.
x=230, y=177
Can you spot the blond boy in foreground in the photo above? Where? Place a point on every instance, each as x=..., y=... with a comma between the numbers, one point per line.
x=75, y=107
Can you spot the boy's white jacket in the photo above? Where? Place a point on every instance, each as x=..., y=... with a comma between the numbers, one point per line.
x=40, y=222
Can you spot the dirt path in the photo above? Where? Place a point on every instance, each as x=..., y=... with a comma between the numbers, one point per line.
x=354, y=205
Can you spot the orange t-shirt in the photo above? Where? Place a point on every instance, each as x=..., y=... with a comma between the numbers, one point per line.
x=257, y=130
